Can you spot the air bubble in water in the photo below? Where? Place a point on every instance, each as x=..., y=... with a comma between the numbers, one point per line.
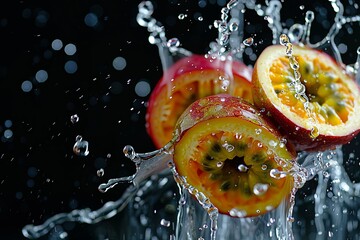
x=219, y=164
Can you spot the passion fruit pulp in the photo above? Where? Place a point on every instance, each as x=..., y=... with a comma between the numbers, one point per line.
x=189, y=79
x=228, y=152
x=333, y=97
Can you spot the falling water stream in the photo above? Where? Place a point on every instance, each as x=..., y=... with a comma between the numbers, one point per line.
x=335, y=193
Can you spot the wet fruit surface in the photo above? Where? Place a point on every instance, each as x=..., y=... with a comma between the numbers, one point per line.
x=333, y=97
x=233, y=156
x=187, y=80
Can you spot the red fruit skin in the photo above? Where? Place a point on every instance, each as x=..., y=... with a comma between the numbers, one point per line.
x=186, y=65
x=299, y=136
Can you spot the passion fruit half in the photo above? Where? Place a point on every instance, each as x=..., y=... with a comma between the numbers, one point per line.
x=333, y=97
x=189, y=79
x=227, y=151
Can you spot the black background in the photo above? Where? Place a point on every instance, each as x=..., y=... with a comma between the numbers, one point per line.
x=43, y=135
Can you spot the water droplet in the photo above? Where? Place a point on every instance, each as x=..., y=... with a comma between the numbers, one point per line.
x=293, y=63
x=289, y=50
x=173, y=43
x=222, y=27
x=258, y=131
x=264, y=167
x=300, y=89
x=302, y=7
x=275, y=173
x=248, y=42
x=219, y=164
x=228, y=147
x=290, y=219
x=63, y=235
x=146, y=8
x=145, y=20
x=314, y=133
x=260, y=189
x=81, y=148
x=165, y=223
x=309, y=16
x=284, y=39
x=100, y=172
x=237, y=213
x=129, y=152
x=74, y=118
x=181, y=16
x=242, y=168
x=233, y=26
x=182, y=201
x=273, y=143
x=232, y=4
x=326, y=174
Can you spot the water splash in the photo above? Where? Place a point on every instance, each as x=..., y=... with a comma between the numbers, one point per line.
x=298, y=87
x=326, y=166
x=168, y=50
x=85, y=215
x=146, y=164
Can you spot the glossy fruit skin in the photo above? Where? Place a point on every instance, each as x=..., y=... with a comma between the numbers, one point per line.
x=299, y=135
x=194, y=64
x=224, y=109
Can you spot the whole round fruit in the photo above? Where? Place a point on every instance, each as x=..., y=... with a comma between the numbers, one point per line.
x=231, y=154
x=184, y=82
x=333, y=97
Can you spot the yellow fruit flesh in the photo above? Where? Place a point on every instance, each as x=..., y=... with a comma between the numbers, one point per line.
x=331, y=100
x=227, y=164
x=187, y=88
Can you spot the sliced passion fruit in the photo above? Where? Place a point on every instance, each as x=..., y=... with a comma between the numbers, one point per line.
x=333, y=97
x=187, y=80
x=229, y=153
